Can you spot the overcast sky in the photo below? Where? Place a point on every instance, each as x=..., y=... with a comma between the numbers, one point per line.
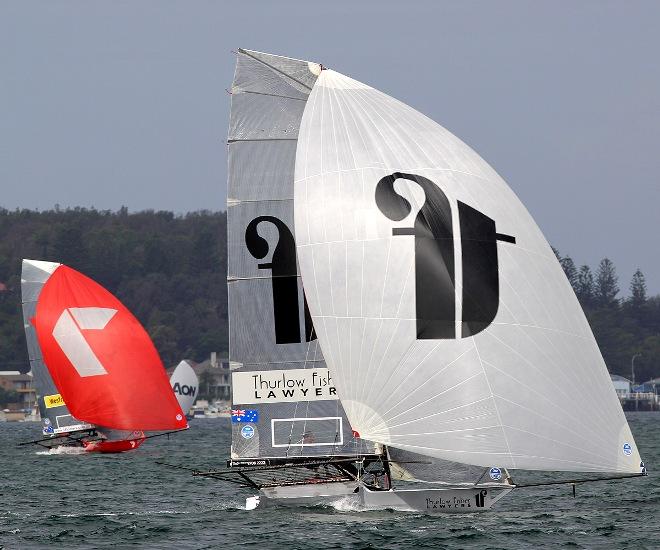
x=107, y=104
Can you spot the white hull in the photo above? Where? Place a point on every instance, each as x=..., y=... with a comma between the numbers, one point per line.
x=434, y=501
x=430, y=501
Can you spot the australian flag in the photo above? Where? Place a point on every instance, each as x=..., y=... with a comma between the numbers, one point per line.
x=244, y=415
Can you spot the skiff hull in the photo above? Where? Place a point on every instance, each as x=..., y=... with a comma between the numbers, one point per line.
x=429, y=501
x=112, y=446
x=433, y=501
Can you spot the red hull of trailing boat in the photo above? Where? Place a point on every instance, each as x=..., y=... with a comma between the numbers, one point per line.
x=113, y=446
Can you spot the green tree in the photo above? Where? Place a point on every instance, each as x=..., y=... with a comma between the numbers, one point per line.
x=568, y=265
x=585, y=286
x=638, y=289
x=607, y=283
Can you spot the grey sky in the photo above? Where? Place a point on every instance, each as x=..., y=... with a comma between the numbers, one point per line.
x=123, y=103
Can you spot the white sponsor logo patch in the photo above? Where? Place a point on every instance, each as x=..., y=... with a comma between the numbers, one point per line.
x=282, y=386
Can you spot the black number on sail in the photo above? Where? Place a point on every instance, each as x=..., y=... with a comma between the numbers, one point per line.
x=435, y=287
x=284, y=280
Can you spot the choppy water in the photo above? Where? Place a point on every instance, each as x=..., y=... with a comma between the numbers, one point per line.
x=70, y=500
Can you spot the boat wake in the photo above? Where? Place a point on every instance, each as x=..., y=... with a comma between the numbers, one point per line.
x=62, y=450
x=346, y=504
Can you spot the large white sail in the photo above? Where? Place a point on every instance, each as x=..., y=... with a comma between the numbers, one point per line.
x=284, y=402
x=442, y=312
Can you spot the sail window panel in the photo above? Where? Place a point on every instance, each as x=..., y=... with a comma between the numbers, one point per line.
x=253, y=75
x=258, y=117
x=307, y=432
x=261, y=170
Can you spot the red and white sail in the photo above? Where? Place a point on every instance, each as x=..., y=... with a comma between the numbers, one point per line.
x=101, y=359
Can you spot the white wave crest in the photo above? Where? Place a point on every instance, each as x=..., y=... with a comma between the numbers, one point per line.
x=62, y=450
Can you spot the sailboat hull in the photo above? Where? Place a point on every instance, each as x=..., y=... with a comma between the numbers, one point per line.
x=428, y=501
x=112, y=446
x=434, y=501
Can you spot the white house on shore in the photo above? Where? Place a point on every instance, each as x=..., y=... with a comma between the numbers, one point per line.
x=622, y=385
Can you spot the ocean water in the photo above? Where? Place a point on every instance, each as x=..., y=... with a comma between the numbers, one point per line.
x=72, y=500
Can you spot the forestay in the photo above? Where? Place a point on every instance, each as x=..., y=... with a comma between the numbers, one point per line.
x=444, y=317
x=284, y=401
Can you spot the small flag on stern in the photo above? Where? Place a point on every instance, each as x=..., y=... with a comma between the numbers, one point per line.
x=244, y=415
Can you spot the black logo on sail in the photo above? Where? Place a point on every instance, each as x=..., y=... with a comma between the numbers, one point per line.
x=480, y=498
x=284, y=280
x=434, y=259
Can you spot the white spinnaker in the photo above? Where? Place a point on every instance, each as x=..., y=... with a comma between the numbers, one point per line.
x=529, y=391
x=185, y=383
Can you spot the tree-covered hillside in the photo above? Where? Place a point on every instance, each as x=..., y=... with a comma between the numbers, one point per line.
x=168, y=270
x=624, y=327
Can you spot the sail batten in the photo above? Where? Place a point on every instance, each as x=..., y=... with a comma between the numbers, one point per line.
x=438, y=300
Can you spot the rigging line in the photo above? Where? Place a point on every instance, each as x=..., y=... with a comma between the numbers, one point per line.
x=274, y=95
x=575, y=481
x=241, y=201
x=247, y=53
x=230, y=141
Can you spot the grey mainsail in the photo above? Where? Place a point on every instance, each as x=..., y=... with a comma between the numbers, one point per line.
x=54, y=412
x=284, y=399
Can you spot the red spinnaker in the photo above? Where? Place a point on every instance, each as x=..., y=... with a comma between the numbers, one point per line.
x=100, y=357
